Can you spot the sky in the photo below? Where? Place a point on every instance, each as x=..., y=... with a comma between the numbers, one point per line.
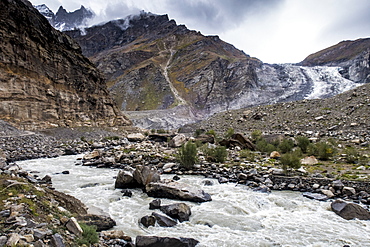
x=274, y=31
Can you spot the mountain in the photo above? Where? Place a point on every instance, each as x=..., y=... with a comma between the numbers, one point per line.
x=164, y=75
x=352, y=56
x=64, y=20
x=45, y=79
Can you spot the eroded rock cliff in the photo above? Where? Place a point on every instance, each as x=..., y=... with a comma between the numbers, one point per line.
x=45, y=79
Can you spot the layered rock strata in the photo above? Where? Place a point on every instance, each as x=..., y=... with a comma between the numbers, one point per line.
x=45, y=79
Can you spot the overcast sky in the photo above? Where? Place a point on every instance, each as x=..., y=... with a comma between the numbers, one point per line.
x=275, y=31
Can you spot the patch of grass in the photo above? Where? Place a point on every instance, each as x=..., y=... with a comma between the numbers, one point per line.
x=187, y=155
x=89, y=235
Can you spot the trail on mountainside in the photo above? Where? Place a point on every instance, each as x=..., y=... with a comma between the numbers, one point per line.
x=172, y=87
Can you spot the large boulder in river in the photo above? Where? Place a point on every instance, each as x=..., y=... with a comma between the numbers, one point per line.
x=350, y=211
x=179, y=211
x=143, y=175
x=178, y=191
x=154, y=241
x=125, y=180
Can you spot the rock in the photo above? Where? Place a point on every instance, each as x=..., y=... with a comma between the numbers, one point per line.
x=57, y=240
x=126, y=193
x=3, y=240
x=28, y=238
x=155, y=204
x=310, y=160
x=154, y=241
x=115, y=234
x=93, y=155
x=207, y=182
x=349, y=211
x=101, y=222
x=144, y=175
x=46, y=180
x=315, y=186
x=136, y=137
x=164, y=221
x=177, y=141
x=41, y=234
x=223, y=180
x=337, y=185
x=203, y=138
x=179, y=211
x=328, y=193
x=73, y=226
x=315, y=196
x=275, y=155
x=13, y=239
x=243, y=176
x=125, y=180
x=349, y=191
x=148, y=220
x=277, y=171
x=177, y=190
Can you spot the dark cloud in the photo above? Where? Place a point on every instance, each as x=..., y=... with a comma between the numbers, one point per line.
x=216, y=15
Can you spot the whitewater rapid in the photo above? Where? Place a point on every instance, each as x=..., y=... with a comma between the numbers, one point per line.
x=235, y=217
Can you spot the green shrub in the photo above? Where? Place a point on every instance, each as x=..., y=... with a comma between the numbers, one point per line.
x=198, y=132
x=229, y=133
x=265, y=147
x=290, y=160
x=286, y=146
x=89, y=235
x=321, y=150
x=217, y=154
x=303, y=143
x=352, y=155
x=248, y=154
x=187, y=155
x=211, y=132
x=256, y=135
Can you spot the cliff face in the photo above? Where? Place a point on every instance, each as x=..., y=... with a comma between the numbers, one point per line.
x=352, y=56
x=45, y=79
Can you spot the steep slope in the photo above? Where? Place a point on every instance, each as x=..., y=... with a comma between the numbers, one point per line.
x=154, y=65
x=45, y=79
x=352, y=56
x=64, y=20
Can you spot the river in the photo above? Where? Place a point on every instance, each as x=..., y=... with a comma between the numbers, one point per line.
x=236, y=216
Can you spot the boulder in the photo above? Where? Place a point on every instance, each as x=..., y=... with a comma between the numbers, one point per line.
x=73, y=226
x=275, y=155
x=93, y=155
x=350, y=211
x=136, y=137
x=238, y=140
x=203, y=138
x=101, y=222
x=57, y=240
x=349, y=191
x=125, y=180
x=310, y=160
x=178, y=191
x=155, y=204
x=315, y=196
x=164, y=221
x=115, y=234
x=179, y=211
x=154, y=241
x=148, y=220
x=143, y=175
x=337, y=185
x=177, y=141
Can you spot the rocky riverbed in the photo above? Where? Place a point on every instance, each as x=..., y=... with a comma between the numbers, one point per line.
x=124, y=151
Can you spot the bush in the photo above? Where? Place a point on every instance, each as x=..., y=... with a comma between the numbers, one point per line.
x=217, y=154
x=211, y=132
x=302, y=143
x=198, y=132
x=89, y=235
x=265, y=147
x=248, y=154
x=321, y=150
x=352, y=155
x=229, y=133
x=290, y=160
x=187, y=155
x=256, y=135
x=286, y=146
